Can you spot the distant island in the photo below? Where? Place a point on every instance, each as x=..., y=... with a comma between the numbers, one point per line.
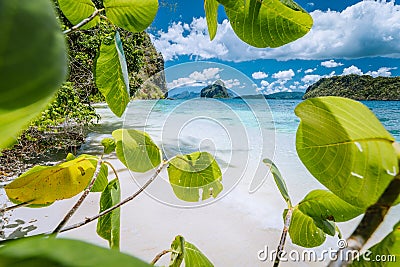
x=215, y=90
x=356, y=87
x=280, y=95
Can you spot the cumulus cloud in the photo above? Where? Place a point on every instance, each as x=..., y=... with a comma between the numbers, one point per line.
x=308, y=71
x=366, y=29
x=259, y=75
x=352, y=70
x=197, y=78
x=284, y=75
x=231, y=83
x=331, y=64
x=383, y=71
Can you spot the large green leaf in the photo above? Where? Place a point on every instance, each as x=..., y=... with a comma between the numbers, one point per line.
x=346, y=148
x=33, y=63
x=268, y=23
x=131, y=15
x=315, y=216
x=194, y=173
x=211, y=8
x=112, y=75
x=384, y=254
x=183, y=250
x=78, y=10
x=43, y=185
x=280, y=182
x=49, y=252
x=101, y=180
x=136, y=150
x=108, y=226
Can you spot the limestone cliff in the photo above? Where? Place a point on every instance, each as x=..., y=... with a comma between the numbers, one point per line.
x=357, y=87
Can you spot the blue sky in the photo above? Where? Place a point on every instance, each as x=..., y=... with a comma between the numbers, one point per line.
x=361, y=37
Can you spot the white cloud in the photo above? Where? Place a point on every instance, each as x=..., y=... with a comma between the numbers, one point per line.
x=312, y=78
x=284, y=75
x=366, y=29
x=384, y=71
x=231, y=83
x=259, y=75
x=264, y=83
x=352, y=70
x=331, y=64
x=308, y=71
x=197, y=78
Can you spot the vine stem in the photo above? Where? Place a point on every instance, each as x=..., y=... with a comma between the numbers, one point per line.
x=159, y=255
x=373, y=217
x=282, y=242
x=83, y=22
x=123, y=202
x=80, y=200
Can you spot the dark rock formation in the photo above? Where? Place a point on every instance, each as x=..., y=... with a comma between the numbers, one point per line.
x=216, y=90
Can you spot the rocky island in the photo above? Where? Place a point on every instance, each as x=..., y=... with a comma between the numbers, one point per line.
x=356, y=87
x=216, y=90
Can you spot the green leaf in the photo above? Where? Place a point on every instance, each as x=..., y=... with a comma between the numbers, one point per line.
x=315, y=216
x=211, y=8
x=78, y=10
x=33, y=63
x=101, y=180
x=131, y=15
x=43, y=185
x=280, y=182
x=38, y=252
x=378, y=255
x=194, y=173
x=109, y=145
x=136, y=150
x=70, y=157
x=346, y=148
x=108, y=226
x=112, y=75
x=183, y=250
x=177, y=254
x=271, y=23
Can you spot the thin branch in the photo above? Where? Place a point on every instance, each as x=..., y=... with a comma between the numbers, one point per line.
x=281, y=246
x=83, y=22
x=159, y=255
x=373, y=217
x=88, y=220
x=112, y=167
x=80, y=200
x=24, y=204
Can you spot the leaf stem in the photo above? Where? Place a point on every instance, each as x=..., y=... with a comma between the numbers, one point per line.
x=126, y=200
x=80, y=200
x=282, y=242
x=373, y=217
x=159, y=255
x=83, y=22
x=112, y=167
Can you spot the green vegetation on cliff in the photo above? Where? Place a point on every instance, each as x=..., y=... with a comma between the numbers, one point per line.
x=215, y=90
x=356, y=87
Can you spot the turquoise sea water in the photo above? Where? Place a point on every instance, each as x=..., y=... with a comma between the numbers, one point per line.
x=388, y=112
